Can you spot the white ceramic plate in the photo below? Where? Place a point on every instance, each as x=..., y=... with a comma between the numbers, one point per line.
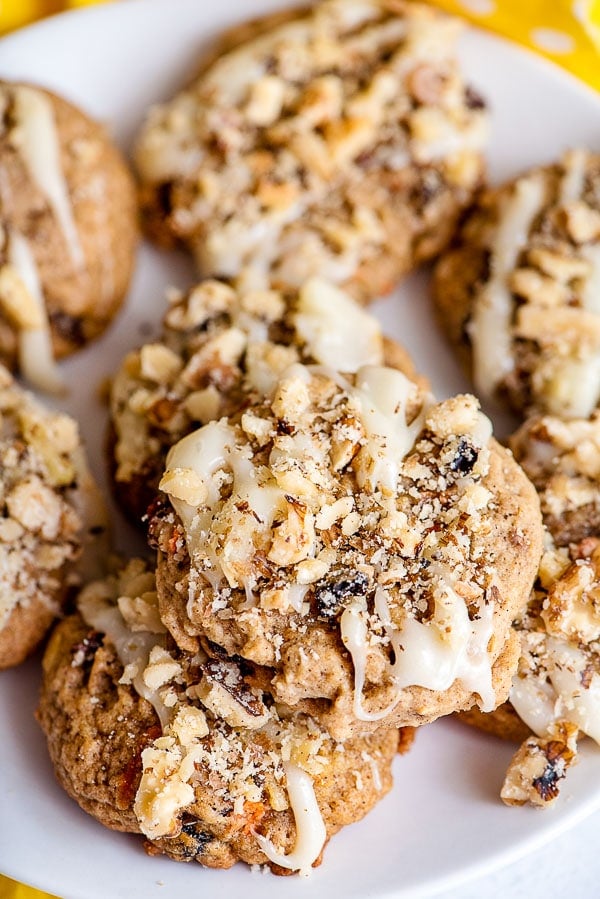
x=443, y=822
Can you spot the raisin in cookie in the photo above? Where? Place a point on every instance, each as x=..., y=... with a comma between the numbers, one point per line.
x=518, y=294
x=190, y=750
x=68, y=230
x=222, y=349
x=367, y=545
x=555, y=696
x=51, y=518
x=342, y=143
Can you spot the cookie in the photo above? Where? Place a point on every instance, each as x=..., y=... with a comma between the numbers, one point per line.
x=220, y=350
x=562, y=459
x=342, y=143
x=556, y=691
x=68, y=226
x=367, y=545
x=51, y=518
x=518, y=293
x=502, y=722
x=189, y=750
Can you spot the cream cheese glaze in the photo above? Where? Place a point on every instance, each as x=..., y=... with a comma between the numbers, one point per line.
x=36, y=355
x=541, y=703
x=558, y=678
x=131, y=624
x=383, y=395
x=282, y=130
x=38, y=143
x=450, y=645
x=310, y=829
x=490, y=326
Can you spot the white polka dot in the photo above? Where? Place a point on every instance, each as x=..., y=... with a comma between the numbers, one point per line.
x=479, y=7
x=552, y=41
x=582, y=10
x=579, y=10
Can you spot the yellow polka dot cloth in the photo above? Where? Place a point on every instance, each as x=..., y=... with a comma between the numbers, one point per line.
x=15, y=13
x=565, y=31
x=11, y=890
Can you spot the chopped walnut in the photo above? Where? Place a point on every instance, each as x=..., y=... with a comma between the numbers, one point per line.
x=223, y=349
x=539, y=765
x=161, y=668
x=562, y=458
x=533, y=321
x=572, y=608
x=48, y=502
x=288, y=544
x=266, y=171
x=223, y=691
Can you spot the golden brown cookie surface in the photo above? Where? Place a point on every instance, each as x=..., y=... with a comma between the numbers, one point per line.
x=51, y=516
x=220, y=351
x=69, y=228
x=339, y=520
x=213, y=771
x=562, y=459
x=518, y=293
x=342, y=143
x=555, y=695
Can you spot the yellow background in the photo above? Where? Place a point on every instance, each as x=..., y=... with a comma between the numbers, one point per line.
x=566, y=31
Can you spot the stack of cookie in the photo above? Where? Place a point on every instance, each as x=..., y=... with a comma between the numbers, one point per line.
x=519, y=295
x=339, y=557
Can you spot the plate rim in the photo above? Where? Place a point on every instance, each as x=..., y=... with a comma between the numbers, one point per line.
x=551, y=70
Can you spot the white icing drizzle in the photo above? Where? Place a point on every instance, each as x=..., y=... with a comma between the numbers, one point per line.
x=40, y=148
x=573, y=180
x=383, y=395
x=238, y=70
x=490, y=326
x=375, y=773
x=574, y=386
x=336, y=330
x=332, y=326
x=534, y=702
x=541, y=703
x=434, y=655
x=132, y=648
x=447, y=648
x=582, y=706
x=310, y=828
x=256, y=246
x=205, y=452
x=354, y=632
x=296, y=595
x=36, y=356
x=571, y=188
